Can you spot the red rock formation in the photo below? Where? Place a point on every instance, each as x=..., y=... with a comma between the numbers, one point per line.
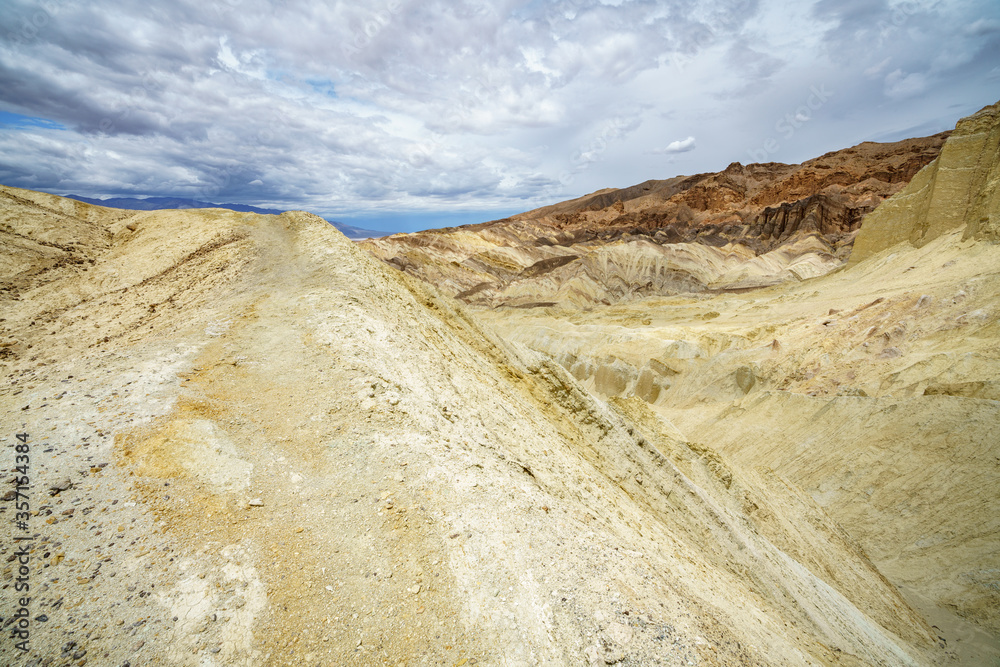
x=745, y=211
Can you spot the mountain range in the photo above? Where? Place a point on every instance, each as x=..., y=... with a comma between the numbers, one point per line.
x=746, y=227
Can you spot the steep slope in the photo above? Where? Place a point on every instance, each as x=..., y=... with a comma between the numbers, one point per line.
x=958, y=190
x=251, y=443
x=875, y=389
x=747, y=226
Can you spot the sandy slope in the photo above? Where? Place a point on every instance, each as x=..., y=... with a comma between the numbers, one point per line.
x=875, y=389
x=427, y=494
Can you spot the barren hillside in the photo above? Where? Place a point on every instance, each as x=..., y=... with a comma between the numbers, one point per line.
x=875, y=390
x=745, y=227
x=252, y=444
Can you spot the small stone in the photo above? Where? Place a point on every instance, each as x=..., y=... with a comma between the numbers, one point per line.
x=256, y=502
x=745, y=378
x=60, y=486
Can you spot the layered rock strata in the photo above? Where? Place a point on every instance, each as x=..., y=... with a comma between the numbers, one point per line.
x=875, y=389
x=745, y=227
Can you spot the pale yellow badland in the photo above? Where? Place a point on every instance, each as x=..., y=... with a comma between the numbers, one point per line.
x=254, y=444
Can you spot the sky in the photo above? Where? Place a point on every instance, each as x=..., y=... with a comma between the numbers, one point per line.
x=410, y=114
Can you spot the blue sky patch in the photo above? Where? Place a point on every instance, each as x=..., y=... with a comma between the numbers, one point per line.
x=18, y=120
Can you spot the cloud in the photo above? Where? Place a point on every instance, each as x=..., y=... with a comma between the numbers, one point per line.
x=983, y=26
x=877, y=69
x=679, y=146
x=899, y=85
x=346, y=107
x=755, y=66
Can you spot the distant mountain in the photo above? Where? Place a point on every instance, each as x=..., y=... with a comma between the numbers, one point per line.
x=745, y=227
x=358, y=233
x=160, y=203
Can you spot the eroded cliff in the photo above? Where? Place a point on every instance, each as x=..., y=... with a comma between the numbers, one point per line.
x=958, y=190
x=745, y=227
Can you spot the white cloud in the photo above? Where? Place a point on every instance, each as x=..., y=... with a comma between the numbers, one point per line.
x=983, y=26
x=398, y=104
x=679, y=146
x=876, y=70
x=900, y=85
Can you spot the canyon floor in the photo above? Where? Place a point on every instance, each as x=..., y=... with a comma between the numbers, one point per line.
x=253, y=443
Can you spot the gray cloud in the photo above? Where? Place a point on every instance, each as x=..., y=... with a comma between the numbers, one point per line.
x=343, y=108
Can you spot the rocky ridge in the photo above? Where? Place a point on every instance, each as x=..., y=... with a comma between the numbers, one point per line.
x=747, y=226
x=253, y=444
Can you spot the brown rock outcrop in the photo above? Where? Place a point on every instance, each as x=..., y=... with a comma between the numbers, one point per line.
x=749, y=222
